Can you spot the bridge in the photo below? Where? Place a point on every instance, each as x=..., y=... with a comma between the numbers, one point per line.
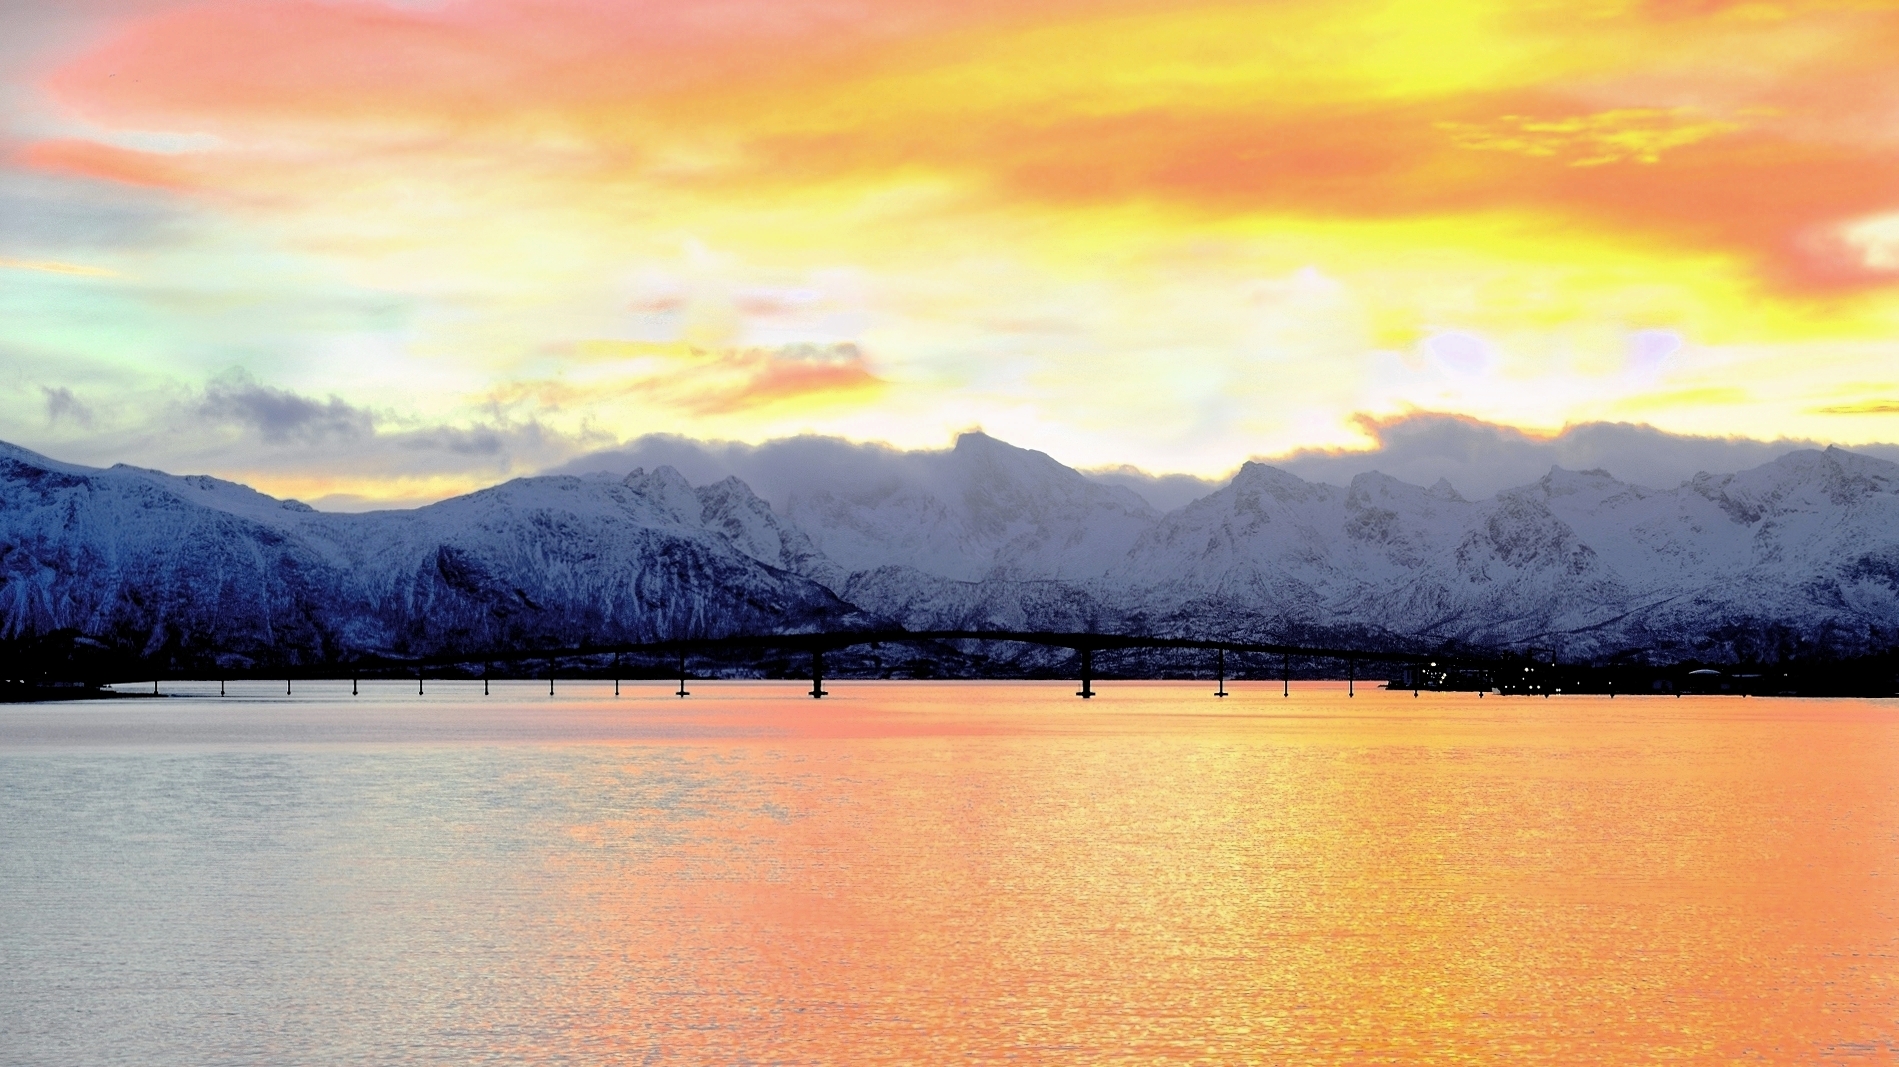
x=817, y=644
x=67, y=665
x=50, y=667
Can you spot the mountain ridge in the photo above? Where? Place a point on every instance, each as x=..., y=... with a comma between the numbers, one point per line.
x=1794, y=557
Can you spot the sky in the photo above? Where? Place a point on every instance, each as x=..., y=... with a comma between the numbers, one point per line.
x=374, y=252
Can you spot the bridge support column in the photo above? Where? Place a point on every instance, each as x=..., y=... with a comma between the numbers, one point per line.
x=1351, y=677
x=682, y=675
x=352, y=685
x=1285, y=674
x=1087, y=674
x=616, y=674
x=550, y=677
x=817, y=673
x=418, y=683
x=220, y=687
x=1220, y=668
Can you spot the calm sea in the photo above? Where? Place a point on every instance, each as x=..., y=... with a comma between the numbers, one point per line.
x=943, y=873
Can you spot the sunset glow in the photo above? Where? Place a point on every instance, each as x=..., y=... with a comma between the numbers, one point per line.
x=1173, y=234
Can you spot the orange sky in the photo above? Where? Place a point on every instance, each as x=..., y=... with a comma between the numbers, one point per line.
x=1168, y=234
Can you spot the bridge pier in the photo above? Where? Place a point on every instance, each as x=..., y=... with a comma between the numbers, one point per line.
x=1285, y=674
x=1351, y=677
x=1087, y=674
x=418, y=683
x=817, y=673
x=682, y=675
x=1220, y=668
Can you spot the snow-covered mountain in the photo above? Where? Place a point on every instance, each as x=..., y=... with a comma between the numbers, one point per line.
x=1742, y=565
x=981, y=510
x=194, y=566
x=1796, y=555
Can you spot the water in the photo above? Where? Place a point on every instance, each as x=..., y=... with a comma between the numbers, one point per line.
x=931, y=873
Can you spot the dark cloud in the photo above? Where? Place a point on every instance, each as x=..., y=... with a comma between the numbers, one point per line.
x=463, y=441
x=289, y=434
x=289, y=444
x=1164, y=491
x=774, y=469
x=61, y=404
x=280, y=415
x=1480, y=458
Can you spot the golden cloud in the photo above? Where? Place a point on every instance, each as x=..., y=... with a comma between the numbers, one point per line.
x=707, y=381
x=51, y=267
x=1867, y=407
x=1623, y=135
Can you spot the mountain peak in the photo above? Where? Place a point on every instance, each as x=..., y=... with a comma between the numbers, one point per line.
x=984, y=449
x=1561, y=481
x=985, y=531
x=666, y=489
x=1258, y=477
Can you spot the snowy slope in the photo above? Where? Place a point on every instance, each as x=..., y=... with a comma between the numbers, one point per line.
x=1798, y=554
x=1802, y=548
x=983, y=509
x=192, y=565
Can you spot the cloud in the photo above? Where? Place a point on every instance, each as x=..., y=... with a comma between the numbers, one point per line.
x=1224, y=108
x=56, y=226
x=1868, y=407
x=337, y=455
x=53, y=267
x=799, y=370
x=62, y=404
x=410, y=465
x=809, y=465
x=459, y=440
x=1461, y=353
x=279, y=415
x=1876, y=240
x=1591, y=140
x=708, y=382
x=325, y=451
x=1164, y=491
x=1480, y=458
x=773, y=469
x=384, y=464
x=1040, y=220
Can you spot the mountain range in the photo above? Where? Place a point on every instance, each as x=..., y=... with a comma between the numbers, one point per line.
x=1796, y=557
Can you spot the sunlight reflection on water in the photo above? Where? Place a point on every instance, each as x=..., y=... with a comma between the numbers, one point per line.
x=917, y=872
